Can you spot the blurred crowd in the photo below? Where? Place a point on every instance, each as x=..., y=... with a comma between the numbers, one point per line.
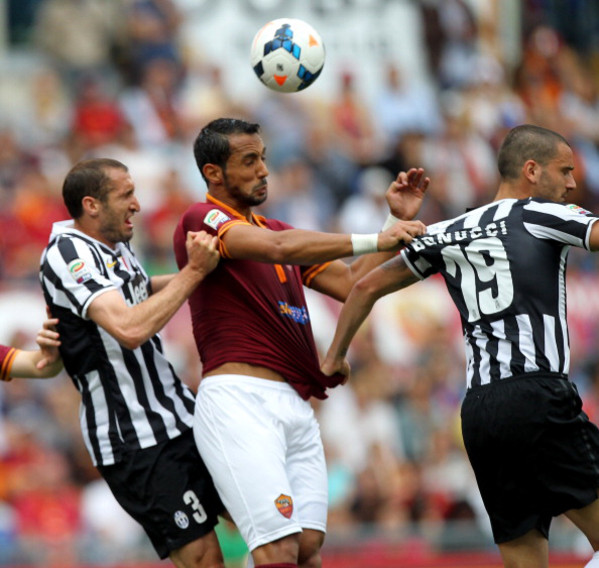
x=119, y=84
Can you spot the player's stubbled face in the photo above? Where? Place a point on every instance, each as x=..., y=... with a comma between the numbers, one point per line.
x=556, y=179
x=118, y=209
x=246, y=172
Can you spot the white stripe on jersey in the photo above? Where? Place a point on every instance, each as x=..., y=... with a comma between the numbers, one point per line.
x=100, y=407
x=503, y=209
x=562, y=310
x=504, y=348
x=484, y=365
x=553, y=234
x=551, y=343
x=563, y=213
x=526, y=343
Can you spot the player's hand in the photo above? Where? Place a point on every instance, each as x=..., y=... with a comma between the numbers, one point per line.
x=399, y=235
x=332, y=367
x=202, y=251
x=406, y=192
x=49, y=342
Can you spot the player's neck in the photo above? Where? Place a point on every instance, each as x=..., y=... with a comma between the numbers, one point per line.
x=511, y=191
x=88, y=229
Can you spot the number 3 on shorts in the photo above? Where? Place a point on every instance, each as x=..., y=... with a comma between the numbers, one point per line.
x=190, y=498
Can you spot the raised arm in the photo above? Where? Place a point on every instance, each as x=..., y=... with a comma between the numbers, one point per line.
x=387, y=278
x=132, y=326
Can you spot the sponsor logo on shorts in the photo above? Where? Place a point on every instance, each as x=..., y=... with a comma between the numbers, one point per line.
x=78, y=270
x=181, y=519
x=215, y=218
x=284, y=504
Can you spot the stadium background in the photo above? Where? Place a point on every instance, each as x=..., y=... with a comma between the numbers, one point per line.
x=435, y=83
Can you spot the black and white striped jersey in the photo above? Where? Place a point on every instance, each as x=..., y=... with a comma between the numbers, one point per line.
x=504, y=265
x=130, y=399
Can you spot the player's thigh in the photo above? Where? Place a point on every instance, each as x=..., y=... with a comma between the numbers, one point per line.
x=587, y=520
x=241, y=431
x=307, y=470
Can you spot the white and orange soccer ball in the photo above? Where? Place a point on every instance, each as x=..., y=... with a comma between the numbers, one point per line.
x=287, y=55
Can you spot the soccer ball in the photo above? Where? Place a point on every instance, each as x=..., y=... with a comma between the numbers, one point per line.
x=287, y=55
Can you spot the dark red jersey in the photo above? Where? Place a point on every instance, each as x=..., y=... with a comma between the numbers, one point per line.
x=7, y=356
x=252, y=312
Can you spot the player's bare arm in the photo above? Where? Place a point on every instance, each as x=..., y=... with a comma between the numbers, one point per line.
x=594, y=238
x=389, y=277
x=298, y=246
x=133, y=326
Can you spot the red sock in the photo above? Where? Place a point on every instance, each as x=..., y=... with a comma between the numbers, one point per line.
x=278, y=565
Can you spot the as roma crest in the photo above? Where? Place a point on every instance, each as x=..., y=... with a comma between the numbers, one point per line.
x=284, y=504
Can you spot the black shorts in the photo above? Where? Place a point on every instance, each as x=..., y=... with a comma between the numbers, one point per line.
x=534, y=452
x=168, y=490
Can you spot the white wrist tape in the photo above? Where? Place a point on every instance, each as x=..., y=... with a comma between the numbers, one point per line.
x=364, y=244
x=391, y=220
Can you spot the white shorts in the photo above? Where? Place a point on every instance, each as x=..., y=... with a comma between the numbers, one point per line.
x=261, y=443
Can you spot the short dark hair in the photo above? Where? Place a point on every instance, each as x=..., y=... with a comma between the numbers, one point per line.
x=212, y=143
x=527, y=142
x=88, y=178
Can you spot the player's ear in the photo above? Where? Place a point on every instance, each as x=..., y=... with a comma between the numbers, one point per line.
x=531, y=171
x=90, y=205
x=213, y=173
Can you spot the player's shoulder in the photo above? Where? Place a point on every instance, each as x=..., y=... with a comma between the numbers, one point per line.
x=552, y=207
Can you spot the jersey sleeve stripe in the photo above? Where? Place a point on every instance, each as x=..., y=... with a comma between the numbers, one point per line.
x=7, y=364
x=312, y=272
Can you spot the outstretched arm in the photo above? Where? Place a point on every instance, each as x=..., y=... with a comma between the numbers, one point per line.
x=387, y=278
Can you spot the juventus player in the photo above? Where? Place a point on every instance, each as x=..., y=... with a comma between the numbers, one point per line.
x=533, y=449
x=136, y=414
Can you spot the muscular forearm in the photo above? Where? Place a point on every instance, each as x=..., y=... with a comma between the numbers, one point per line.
x=133, y=326
x=292, y=246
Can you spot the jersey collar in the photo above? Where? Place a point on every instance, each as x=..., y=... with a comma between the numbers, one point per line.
x=257, y=219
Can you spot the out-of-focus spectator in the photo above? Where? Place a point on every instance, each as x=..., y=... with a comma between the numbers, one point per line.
x=299, y=198
x=403, y=104
x=153, y=107
x=48, y=513
x=97, y=117
x=462, y=164
x=110, y=533
x=78, y=35
x=366, y=211
x=151, y=33
x=353, y=122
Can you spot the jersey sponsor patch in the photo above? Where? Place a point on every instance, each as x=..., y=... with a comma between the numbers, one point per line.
x=577, y=209
x=297, y=314
x=215, y=218
x=79, y=271
x=284, y=504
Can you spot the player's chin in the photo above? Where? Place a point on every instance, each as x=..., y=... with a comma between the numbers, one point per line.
x=127, y=234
